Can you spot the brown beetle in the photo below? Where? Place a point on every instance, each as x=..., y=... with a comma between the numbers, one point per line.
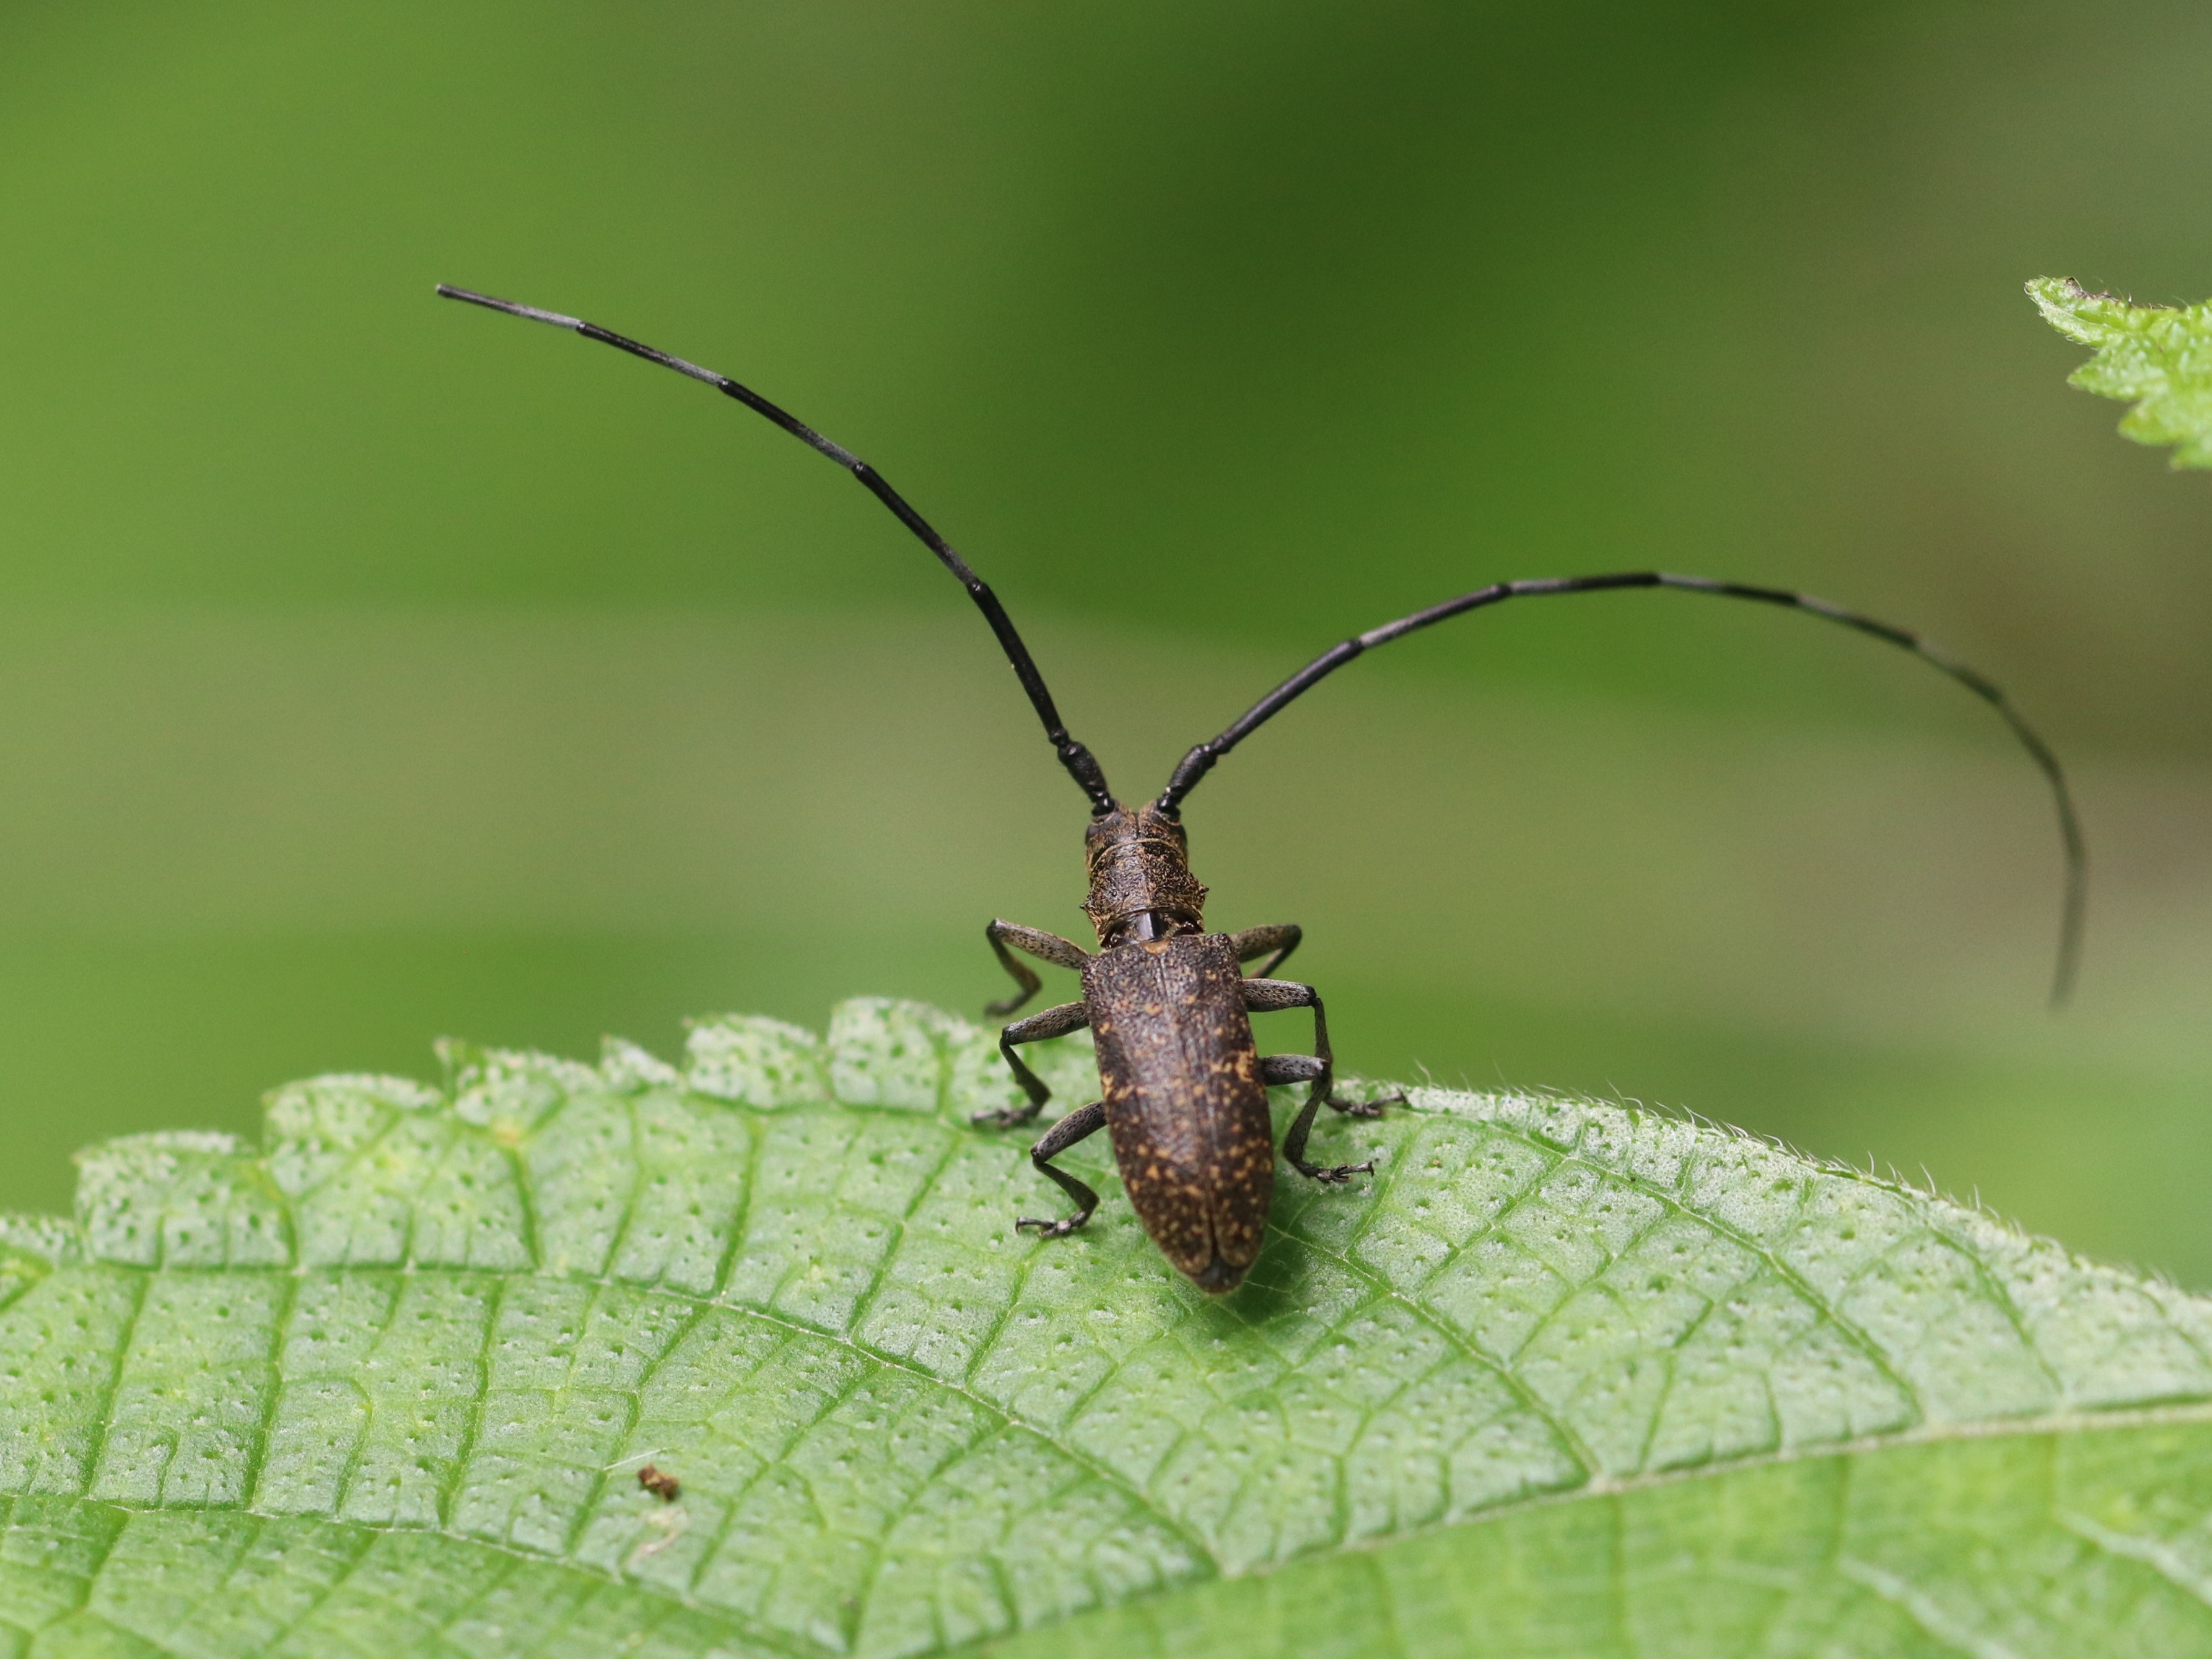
x=1184, y=1089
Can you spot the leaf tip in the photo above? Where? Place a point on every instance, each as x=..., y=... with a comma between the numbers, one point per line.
x=2072, y=309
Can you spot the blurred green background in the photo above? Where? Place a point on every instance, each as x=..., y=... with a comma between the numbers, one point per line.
x=372, y=669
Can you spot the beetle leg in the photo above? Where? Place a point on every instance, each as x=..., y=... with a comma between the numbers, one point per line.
x=1282, y=938
x=1082, y=1122
x=1053, y=1022
x=1306, y=1068
x=1045, y=947
x=1294, y=1146
x=1270, y=996
x=1289, y=1069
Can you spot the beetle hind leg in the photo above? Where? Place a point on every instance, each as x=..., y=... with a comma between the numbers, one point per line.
x=1083, y=1122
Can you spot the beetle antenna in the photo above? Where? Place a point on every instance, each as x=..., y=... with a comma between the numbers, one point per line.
x=1201, y=761
x=1081, y=764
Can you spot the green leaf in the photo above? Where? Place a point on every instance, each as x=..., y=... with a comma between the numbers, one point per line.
x=2157, y=357
x=1561, y=1378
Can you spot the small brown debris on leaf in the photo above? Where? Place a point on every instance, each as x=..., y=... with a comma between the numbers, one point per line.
x=661, y=1485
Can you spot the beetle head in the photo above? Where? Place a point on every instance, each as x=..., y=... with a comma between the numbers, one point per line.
x=1141, y=886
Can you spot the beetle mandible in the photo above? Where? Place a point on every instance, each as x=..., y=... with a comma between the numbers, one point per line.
x=1184, y=1087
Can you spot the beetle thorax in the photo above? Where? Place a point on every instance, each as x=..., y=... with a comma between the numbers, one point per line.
x=1141, y=886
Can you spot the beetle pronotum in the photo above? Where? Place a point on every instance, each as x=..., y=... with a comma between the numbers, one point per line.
x=1184, y=1087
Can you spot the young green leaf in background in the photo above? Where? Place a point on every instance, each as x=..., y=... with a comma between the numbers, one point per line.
x=1560, y=1379
x=2157, y=357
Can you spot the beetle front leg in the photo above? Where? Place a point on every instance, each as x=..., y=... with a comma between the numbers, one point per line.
x=1281, y=937
x=1083, y=1122
x=1053, y=1022
x=1036, y=941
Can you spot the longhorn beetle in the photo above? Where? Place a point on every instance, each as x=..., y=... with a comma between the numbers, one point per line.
x=1184, y=1090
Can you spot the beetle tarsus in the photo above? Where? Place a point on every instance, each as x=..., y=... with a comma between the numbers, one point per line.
x=1365, y=1108
x=1005, y=1118
x=1083, y=1121
x=1334, y=1175
x=1050, y=1229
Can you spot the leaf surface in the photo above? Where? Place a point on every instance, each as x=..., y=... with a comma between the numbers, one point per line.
x=1561, y=1379
x=2157, y=357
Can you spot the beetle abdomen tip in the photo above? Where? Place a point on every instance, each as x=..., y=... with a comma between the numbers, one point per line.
x=1218, y=1277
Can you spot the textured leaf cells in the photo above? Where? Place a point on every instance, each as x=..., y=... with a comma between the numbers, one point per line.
x=1559, y=1379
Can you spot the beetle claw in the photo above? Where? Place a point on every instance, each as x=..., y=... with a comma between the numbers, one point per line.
x=1367, y=1108
x=1051, y=1229
x=1004, y=1117
x=1336, y=1175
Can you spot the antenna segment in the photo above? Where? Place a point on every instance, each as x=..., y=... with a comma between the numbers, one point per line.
x=1201, y=761
x=1081, y=764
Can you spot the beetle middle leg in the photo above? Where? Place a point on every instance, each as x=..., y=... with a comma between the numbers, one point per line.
x=1084, y=1121
x=1271, y=995
x=1035, y=941
x=1299, y=1069
x=1053, y=1022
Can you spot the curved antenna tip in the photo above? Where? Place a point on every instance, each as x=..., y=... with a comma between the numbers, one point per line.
x=529, y=313
x=1200, y=760
x=1074, y=758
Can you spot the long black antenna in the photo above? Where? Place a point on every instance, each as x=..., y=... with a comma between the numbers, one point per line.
x=1081, y=764
x=1201, y=761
